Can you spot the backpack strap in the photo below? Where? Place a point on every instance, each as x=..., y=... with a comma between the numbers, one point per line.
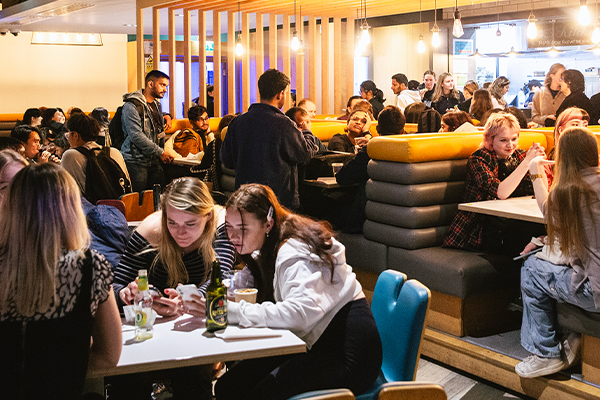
x=140, y=109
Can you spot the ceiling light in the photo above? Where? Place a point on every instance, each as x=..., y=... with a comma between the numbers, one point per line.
x=477, y=54
x=435, y=37
x=295, y=41
x=512, y=52
x=56, y=12
x=239, y=49
x=584, y=14
x=531, y=28
x=457, y=30
x=421, y=45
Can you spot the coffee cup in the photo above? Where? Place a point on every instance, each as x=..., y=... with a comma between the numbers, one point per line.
x=248, y=295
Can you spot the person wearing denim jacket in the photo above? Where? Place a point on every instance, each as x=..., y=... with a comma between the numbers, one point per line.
x=143, y=146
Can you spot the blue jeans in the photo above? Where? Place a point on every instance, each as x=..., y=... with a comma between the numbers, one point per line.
x=144, y=177
x=543, y=285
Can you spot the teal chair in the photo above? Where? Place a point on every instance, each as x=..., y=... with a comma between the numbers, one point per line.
x=331, y=394
x=399, y=309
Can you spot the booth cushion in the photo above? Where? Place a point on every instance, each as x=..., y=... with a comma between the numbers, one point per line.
x=425, y=194
x=576, y=319
x=407, y=173
x=411, y=217
x=421, y=148
x=406, y=238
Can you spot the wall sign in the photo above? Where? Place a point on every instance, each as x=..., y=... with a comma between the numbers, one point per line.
x=566, y=33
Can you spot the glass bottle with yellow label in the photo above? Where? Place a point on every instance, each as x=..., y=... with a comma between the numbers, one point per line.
x=143, y=308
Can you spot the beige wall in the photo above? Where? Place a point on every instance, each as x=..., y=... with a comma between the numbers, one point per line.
x=395, y=50
x=62, y=76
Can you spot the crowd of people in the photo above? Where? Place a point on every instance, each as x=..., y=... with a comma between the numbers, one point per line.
x=53, y=164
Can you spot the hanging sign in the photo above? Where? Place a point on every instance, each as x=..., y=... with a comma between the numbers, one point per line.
x=566, y=33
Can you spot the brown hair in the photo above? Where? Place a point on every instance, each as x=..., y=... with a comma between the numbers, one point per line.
x=258, y=200
x=481, y=103
x=454, y=119
x=577, y=149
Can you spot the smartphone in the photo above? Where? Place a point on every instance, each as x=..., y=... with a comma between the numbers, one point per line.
x=185, y=291
x=155, y=293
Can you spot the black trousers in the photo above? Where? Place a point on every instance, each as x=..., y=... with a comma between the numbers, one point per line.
x=347, y=355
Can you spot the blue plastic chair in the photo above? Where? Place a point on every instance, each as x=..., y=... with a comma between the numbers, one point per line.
x=330, y=394
x=399, y=309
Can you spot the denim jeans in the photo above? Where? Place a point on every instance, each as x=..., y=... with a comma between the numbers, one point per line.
x=144, y=177
x=543, y=285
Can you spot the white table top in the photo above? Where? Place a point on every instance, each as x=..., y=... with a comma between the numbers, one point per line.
x=522, y=208
x=186, y=161
x=324, y=182
x=184, y=342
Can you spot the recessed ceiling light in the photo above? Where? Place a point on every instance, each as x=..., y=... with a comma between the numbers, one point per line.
x=130, y=25
x=55, y=12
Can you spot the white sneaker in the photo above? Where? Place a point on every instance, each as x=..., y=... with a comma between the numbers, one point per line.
x=535, y=366
x=570, y=349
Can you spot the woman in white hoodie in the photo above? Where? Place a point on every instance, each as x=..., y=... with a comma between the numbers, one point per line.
x=304, y=285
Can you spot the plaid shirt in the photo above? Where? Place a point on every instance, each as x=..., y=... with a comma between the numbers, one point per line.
x=484, y=173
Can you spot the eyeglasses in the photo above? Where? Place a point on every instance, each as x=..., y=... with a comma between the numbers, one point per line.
x=204, y=119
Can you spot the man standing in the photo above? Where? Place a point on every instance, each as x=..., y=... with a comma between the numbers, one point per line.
x=428, y=87
x=404, y=97
x=264, y=146
x=142, y=122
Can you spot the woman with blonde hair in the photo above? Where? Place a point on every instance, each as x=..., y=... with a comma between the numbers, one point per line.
x=177, y=245
x=550, y=97
x=468, y=91
x=499, y=88
x=497, y=170
x=55, y=294
x=572, y=211
x=446, y=96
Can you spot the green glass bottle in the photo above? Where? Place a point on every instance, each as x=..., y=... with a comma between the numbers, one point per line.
x=216, y=300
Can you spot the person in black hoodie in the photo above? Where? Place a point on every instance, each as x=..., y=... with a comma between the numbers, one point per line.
x=572, y=84
x=370, y=92
x=446, y=96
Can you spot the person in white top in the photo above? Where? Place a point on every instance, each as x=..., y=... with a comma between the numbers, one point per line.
x=499, y=88
x=404, y=96
x=304, y=285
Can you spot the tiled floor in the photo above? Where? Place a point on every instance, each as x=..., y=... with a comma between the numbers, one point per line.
x=459, y=386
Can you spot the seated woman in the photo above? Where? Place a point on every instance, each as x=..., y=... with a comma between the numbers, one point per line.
x=11, y=162
x=572, y=211
x=482, y=103
x=499, y=88
x=495, y=171
x=55, y=290
x=451, y=121
x=446, y=96
x=177, y=245
x=370, y=92
x=304, y=285
x=358, y=126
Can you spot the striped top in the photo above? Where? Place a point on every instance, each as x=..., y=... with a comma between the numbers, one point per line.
x=138, y=257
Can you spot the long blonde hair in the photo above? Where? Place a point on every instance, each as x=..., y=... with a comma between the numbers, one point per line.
x=41, y=218
x=192, y=196
x=577, y=149
x=438, y=93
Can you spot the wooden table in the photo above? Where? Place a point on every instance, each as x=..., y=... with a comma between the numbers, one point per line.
x=522, y=208
x=327, y=182
x=183, y=342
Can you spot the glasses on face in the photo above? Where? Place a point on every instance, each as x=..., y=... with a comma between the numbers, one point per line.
x=204, y=119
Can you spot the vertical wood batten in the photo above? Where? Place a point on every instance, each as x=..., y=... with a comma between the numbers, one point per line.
x=246, y=62
x=325, y=65
x=231, y=92
x=187, y=61
x=155, y=38
x=259, y=51
x=141, y=60
x=312, y=58
x=273, y=40
x=287, y=66
x=172, y=56
x=202, y=57
x=349, y=59
x=300, y=63
x=217, y=73
x=337, y=65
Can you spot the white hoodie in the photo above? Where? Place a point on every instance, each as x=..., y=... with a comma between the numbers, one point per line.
x=306, y=298
x=407, y=97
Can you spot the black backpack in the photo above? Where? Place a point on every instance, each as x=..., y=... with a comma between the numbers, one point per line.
x=115, y=128
x=104, y=178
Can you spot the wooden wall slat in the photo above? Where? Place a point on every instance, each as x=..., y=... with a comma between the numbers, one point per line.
x=337, y=65
x=155, y=38
x=312, y=59
x=218, y=75
x=325, y=65
x=273, y=40
x=231, y=59
x=187, y=61
x=141, y=61
x=349, y=59
x=285, y=49
x=246, y=62
x=259, y=50
x=172, y=55
x=202, y=57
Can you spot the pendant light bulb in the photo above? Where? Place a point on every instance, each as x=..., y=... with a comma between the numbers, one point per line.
x=421, y=45
x=295, y=42
x=239, y=49
x=498, y=33
x=457, y=30
x=531, y=28
x=584, y=14
x=365, y=37
x=596, y=35
x=435, y=37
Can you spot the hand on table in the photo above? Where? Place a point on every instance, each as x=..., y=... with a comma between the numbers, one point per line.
x=196, y=306
x=169, y=307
